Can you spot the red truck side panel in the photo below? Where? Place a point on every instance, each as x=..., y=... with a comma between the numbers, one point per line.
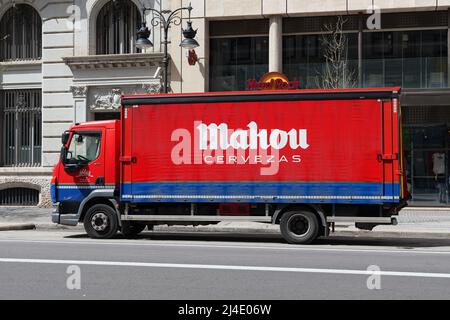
x=340, y=151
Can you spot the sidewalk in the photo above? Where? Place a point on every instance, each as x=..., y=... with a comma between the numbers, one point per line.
x=25, y=218
x=411, y=222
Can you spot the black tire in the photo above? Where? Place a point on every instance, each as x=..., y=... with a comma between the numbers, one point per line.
x=365, y=226
x=131, y=229
x=299, y=227
x=100, y=222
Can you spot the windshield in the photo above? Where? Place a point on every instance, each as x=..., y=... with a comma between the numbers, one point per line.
x=84, y=147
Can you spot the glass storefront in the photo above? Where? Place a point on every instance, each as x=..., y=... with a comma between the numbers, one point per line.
x=303, y=58
x=410, y=59
x=416, y=60
x=235, y=60
x=426, y=140
x=407, y=56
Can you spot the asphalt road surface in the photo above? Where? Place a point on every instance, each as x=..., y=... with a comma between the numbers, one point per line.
x=53, y=264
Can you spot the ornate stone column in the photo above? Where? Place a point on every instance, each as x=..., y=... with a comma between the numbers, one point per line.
x=80, y=97
x=275, y=44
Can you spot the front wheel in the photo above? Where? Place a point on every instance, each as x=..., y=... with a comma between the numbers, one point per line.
x=299, y=227
x=101, y=222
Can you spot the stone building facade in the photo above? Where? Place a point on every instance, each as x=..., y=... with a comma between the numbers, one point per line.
x=78, y=56
x=77, y=72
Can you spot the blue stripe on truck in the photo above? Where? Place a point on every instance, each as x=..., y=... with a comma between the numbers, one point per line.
x=74, y=192
x=287, y=192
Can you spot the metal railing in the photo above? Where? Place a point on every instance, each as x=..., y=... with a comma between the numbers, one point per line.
x=21, y=123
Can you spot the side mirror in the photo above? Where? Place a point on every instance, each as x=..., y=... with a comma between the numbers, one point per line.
x=72, y=167
x=63, y=155
x=69, y=167
x=65, y=138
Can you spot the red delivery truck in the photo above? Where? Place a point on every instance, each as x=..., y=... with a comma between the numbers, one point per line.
x=303, y=159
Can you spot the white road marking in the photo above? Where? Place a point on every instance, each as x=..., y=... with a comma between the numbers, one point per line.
x=124, y=242
x=227, y=267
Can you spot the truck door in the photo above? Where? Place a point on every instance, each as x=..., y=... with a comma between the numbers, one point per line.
x=126, y=154
x=87, y=147
x=390, y=153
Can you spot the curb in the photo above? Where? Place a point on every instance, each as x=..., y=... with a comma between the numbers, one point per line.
x=21, y=226
x=254, y=231
x=393, y=234
x=56, y=227
x=412, y=209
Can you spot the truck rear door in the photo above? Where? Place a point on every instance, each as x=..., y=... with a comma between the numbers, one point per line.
x=390, y=154
x=126, y=158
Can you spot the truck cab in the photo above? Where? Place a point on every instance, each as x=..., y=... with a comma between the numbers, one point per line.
x=87, y=170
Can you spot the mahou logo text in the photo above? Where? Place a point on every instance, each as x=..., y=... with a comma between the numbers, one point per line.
x=217, y=143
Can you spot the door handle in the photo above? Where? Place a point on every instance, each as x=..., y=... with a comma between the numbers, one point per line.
x=387, y=156
x=100, y=181
x=127, y=159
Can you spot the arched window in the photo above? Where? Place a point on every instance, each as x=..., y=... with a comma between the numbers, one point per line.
x=20, y=33
x=19, y=197
x=117, y=24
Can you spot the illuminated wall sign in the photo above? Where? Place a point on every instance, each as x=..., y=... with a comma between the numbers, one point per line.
x=272, y=81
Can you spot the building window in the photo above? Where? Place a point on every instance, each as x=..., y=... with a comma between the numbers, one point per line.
x=20, y=134
x=19, y=197
x=236, y=60
x=21, y=31
x=411, y=59
x=303, y=58
x=402, y=56
x=117, y=24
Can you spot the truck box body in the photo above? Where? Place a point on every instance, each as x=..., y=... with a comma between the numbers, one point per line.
x=327, y=147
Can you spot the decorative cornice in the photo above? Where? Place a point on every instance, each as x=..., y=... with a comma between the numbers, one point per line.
x=152, y=87
x=135, y=60
x=15, y=65
x=22, y=62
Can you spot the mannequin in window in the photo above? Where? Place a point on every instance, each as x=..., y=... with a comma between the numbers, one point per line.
x=439, y=172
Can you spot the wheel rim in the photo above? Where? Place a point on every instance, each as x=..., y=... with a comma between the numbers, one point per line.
x=298, y=225
x=99, y=221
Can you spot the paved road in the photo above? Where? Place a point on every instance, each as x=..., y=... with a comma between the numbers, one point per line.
x=34, y=264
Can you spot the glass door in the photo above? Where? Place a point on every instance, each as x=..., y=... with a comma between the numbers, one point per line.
x=427, y=153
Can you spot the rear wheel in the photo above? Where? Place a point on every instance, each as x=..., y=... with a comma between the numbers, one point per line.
x=100, y=222
x=299, y=227
x=132, y=229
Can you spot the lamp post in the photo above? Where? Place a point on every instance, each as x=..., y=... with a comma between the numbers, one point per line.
x=166, y=18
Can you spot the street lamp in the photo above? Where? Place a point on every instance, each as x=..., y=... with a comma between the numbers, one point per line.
x=166, y=18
